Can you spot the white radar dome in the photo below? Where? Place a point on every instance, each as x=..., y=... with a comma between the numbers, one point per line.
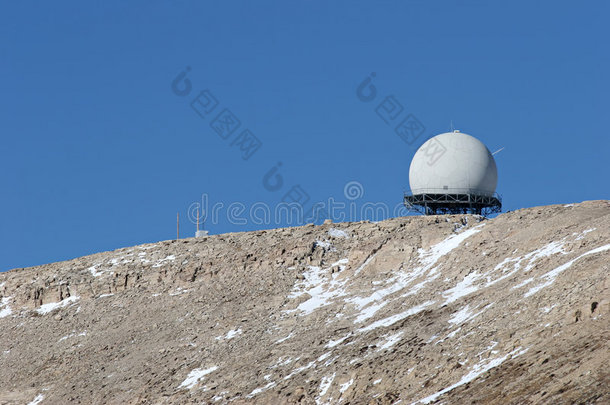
x=453, y=163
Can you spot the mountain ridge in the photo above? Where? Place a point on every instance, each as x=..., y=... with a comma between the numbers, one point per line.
x=513, y=309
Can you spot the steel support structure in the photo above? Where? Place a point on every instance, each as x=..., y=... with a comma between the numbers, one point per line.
x=451, y=203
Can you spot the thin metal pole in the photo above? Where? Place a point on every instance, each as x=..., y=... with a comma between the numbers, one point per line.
x=177, y=225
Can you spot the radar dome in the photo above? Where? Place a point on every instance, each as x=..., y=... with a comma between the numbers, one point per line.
x=453, y=163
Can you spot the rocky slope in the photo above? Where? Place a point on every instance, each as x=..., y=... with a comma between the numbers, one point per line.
x=454, y=309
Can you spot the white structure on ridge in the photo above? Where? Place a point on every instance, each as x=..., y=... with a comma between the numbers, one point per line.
x=200, y=233
x=453, y=173
x=465, y=166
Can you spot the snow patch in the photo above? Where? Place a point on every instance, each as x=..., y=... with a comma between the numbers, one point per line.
x=94, y=271
x=369, y=311
x=390, y=340
x=37, y=400
x=345, y=386
x=324, y=386
x=366, y=263
x=402, y=280
x=285, y=338
x=337, y=233
x=323, y=244
x=370, y=305
x=195, y=375
x=531, y=258
x=378, y=298
x=432, y=255
x=476, y=371
x=579, y=237
x=449, y=336
x=230, y=334
x=320, y=288
x=72, y=335
x=465, y=314
x=160, y=263
x=452, y=334
x=179, y=291
x=281, y=362
x=546, y=310
x=50, y=307
x=261, y=389
x=462, y=289
x=5, y=310
x=298, y=370
x=333, y=343
x=550, y=277
x=395, y=318
x=523, y=283
x=545, y=251
x=324, y=357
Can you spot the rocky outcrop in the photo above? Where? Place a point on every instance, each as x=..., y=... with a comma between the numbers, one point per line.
x=454, y=309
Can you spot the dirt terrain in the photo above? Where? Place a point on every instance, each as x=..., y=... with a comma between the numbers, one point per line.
x=452, y=309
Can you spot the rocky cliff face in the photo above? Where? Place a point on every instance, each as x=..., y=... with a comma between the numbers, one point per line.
x=455, y=309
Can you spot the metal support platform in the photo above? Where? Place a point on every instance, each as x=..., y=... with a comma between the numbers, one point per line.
x=453, y=203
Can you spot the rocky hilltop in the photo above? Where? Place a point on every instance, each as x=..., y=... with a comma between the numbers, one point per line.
x=452, y=309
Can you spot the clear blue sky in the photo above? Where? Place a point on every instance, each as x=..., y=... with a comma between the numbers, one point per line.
x=98, y=152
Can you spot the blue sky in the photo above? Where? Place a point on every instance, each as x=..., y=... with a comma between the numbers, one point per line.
x=99, y=152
